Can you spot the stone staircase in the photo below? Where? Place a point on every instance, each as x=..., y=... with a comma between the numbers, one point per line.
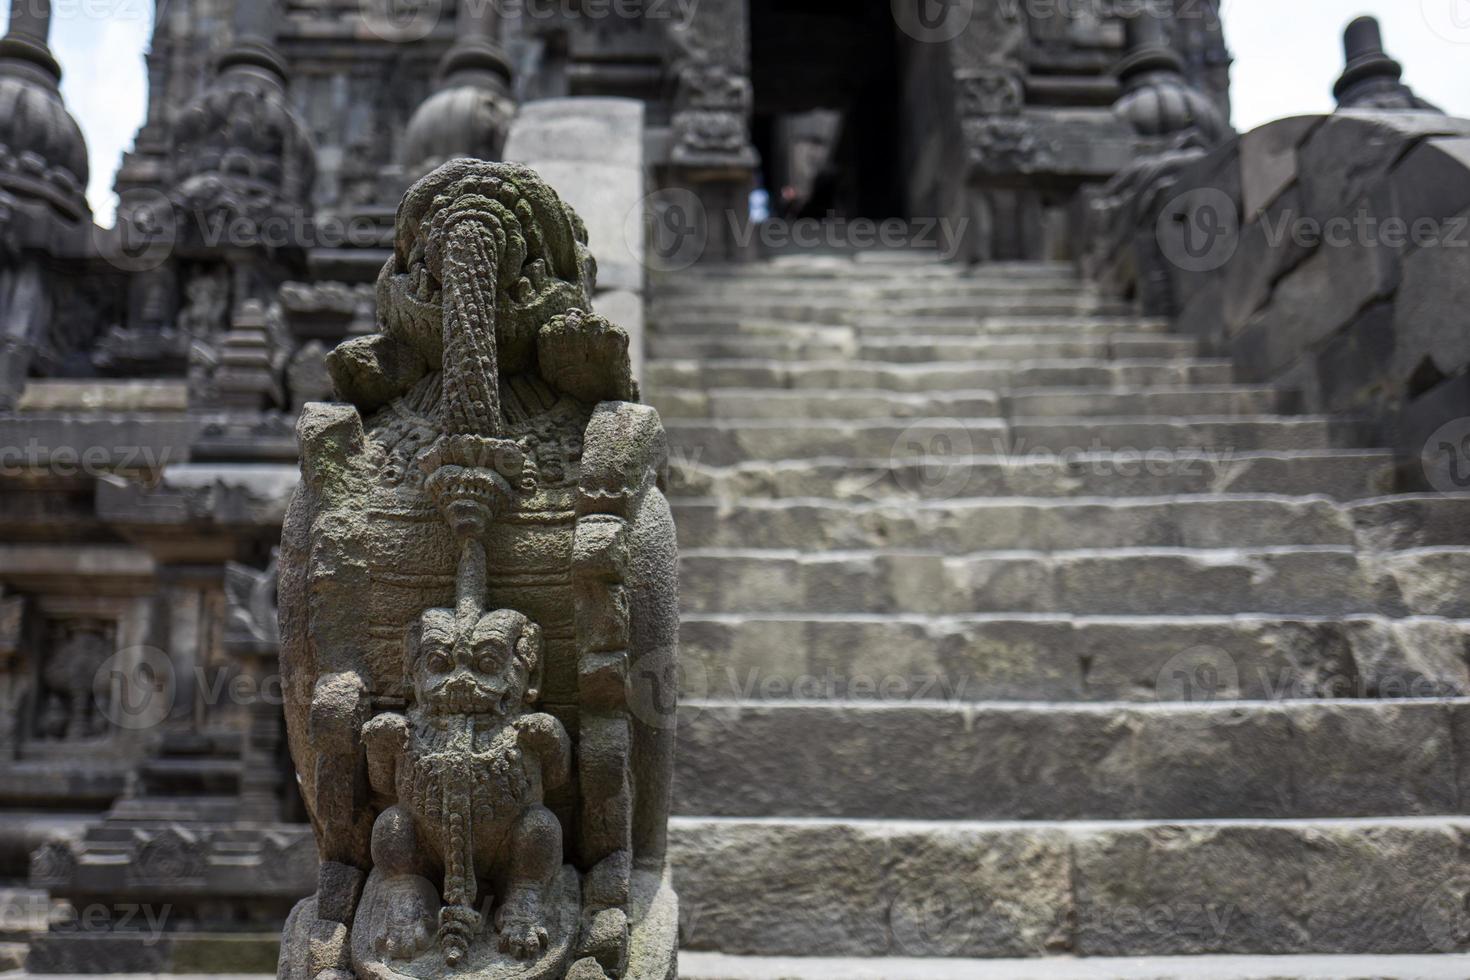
x=1017, y=632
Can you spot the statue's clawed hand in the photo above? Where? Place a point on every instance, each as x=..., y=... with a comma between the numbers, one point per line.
x=586, y=356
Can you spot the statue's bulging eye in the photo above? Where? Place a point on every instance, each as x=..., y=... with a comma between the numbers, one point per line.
x=488, y=658
x=440, y=662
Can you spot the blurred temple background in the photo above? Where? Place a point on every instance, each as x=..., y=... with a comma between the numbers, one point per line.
x=914, y=285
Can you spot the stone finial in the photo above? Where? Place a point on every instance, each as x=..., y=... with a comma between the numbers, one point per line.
x=240, y=146
x=43, y=155
x=1158, y=100
x=1371, y=79
x=469, y=113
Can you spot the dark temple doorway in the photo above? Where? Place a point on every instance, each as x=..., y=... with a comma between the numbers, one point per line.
x=826, y=75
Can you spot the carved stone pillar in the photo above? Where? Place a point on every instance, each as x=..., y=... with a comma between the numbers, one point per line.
x=1001, y=146
x=478, y=600
x=1177, y=124
x=711, y=153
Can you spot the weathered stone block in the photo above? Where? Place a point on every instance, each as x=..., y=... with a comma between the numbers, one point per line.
x=1430, y=310
x=1281, y=889
x=853, y=889
x=1268, y=161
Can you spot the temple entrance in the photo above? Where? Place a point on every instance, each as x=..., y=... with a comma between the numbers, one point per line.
x=827, y=98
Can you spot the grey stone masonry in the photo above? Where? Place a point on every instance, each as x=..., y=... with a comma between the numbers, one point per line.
x=1015, y=631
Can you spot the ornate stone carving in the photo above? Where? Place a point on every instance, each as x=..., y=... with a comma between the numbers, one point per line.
x=990, y=92
x=712, y=100
x=206, y=309
x=1181, y=123
x=172, y=855
x=1003, y=144
x=251, y=621
x=478, y=561
x=69, y=709
x=241, y=152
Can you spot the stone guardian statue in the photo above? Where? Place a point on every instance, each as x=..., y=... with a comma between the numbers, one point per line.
x=478, y=609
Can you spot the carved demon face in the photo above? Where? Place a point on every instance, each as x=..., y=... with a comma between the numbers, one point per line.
x=486, y=667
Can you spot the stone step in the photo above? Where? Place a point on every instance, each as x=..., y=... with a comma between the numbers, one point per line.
x=1306, y=580
x=663, y=375
x=943, y=443
x=1055, y=657
x=1164, y=400
x=718, y=966
x=813, y=326
x=963, y=525
x=918, y=349
x=877, y=291
x=858, y=403
x=779, y=887
x=764, y=403
x=1340, y=473
x=1037, y=313
x=870, y=277
x=912, y=760
x=872, y=268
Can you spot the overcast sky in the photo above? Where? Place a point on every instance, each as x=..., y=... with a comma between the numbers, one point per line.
x=1287, y=55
